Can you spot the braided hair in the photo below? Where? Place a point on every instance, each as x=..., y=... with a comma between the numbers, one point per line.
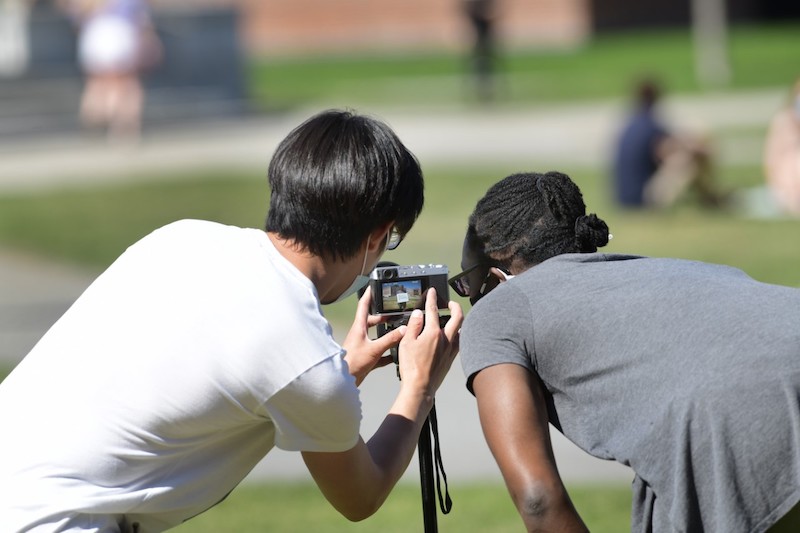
x=531, y=217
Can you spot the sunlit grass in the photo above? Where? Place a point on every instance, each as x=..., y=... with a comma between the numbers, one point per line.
x=603, y=67
x=479, y=508
x=93, y=226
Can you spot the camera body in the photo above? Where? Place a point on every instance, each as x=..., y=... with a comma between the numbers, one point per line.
x=398, y=290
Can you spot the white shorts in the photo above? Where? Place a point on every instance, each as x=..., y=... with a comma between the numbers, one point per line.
x=109, y=44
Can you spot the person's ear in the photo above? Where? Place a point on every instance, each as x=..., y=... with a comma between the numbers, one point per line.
x=379, y=235
x=499, y=274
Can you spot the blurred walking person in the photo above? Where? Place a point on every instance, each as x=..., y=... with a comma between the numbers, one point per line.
x=116, y=43
x=481, y=16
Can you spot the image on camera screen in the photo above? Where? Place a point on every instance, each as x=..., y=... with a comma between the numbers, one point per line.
x=402, y=295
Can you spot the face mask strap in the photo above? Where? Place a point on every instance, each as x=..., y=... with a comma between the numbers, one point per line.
x=366, y=254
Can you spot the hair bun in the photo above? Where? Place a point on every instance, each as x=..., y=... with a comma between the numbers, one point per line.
x=591, y=233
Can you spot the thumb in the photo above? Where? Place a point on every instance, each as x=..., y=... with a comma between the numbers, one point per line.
x=415, y=323
x=390, y=339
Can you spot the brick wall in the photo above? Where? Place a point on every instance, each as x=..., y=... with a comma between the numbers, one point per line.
x=308, y=26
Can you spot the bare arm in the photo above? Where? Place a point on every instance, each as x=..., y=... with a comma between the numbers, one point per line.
x=514, y=419
x=357, y=482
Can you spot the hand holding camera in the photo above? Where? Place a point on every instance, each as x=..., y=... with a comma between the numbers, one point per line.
x=427, y=348
x=404, y=302
x=412, y=297
x=394, y=292
x=363, y=353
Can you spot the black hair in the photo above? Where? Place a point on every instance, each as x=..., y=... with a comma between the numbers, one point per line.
x=648, y=92
x=528, y=218
x=336, y=178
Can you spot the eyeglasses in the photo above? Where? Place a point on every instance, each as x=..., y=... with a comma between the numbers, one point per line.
x=461, y=283
x=394, y=239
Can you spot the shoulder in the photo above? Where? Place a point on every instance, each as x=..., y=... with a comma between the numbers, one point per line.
x=199, y=243
x=504, y=316
x=576, y=264
x=498, y=302
x=499, y=329
x=187, y=229
x=646, y=122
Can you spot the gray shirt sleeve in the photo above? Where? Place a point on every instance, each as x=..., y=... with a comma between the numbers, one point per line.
x=497, y=330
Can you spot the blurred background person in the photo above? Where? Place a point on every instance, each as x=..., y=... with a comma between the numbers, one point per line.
x=116, y=44
x=481, y=16
x=653, y=166
x=14, y=50
x=782, y=155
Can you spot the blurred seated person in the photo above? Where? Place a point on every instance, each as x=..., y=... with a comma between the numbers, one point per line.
x=653, y=167
x=782, y=155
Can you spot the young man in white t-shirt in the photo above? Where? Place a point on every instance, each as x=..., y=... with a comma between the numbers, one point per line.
x=204, y=345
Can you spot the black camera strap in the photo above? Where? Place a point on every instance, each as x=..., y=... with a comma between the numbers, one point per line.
x=445, y=503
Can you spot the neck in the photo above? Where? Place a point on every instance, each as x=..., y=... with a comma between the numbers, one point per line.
x=328, y=276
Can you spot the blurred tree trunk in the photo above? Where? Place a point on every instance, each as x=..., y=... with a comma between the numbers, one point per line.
x=709, y=27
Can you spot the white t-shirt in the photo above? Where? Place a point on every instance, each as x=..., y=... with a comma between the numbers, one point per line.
x=176, y=371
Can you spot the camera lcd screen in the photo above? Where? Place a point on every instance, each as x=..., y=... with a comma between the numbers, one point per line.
x=398, y=290
x=403, y=295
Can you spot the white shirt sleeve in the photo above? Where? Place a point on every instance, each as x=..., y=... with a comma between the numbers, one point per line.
x=319, y=411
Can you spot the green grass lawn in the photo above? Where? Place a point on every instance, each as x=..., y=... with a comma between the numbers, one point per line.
x=93, y=226
x=481, y=508
x=604, y=67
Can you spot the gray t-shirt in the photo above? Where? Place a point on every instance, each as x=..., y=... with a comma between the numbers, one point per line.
x=687, y=372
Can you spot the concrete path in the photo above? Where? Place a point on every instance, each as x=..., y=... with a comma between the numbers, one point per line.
x=34, y=292
x=578, y=134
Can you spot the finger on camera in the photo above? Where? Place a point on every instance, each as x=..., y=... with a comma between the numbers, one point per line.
x=455, y=320
x=365, y=298
x=374, y=320
x=391, y=339
x=362, y=308
x=431, y=309
x=414, y=324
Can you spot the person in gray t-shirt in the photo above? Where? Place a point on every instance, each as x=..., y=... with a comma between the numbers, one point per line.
x=687, y=372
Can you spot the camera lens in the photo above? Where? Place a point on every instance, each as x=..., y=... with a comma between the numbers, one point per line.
x=390, y=273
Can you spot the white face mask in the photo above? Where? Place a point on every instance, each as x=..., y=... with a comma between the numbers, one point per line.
x=359, y=282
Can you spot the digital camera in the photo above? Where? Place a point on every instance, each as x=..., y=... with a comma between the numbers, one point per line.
x=398, y=290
